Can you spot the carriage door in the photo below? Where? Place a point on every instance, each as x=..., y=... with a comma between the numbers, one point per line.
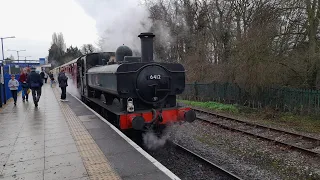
x=82, y=74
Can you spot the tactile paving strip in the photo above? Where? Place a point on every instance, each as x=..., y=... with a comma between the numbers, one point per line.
x=96, y=164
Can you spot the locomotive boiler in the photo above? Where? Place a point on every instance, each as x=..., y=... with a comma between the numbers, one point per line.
x=133, y=92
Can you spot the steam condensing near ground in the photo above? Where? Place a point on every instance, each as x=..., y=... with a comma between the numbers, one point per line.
x=152, y=142
x=72, y=88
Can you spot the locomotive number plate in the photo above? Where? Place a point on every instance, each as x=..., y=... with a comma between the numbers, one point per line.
x=155, y=76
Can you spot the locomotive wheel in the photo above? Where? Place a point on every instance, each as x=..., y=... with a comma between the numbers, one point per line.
x=84, y=100
x=104, y=113
x=117, y=103
x=97, y=94
x=108, y=99
x=103, y=98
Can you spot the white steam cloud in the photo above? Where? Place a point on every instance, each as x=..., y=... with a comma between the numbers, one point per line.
x=72, y=87
x=118, y=22
x=153, y=142
x=54, y=63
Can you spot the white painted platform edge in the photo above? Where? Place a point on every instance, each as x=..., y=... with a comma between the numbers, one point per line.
x=138, y=148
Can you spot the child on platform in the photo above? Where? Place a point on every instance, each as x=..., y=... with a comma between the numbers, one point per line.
x=13, y=85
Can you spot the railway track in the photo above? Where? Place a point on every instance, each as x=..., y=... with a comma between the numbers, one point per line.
x=223, y=172
x=291, y=140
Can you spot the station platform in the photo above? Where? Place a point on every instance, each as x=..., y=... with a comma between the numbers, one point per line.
x=68, y=140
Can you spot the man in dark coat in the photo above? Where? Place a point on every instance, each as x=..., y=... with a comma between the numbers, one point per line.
x=63, y=83
x=42, y=75
x=35, y=83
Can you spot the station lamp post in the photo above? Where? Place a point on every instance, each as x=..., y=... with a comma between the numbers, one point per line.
x=17, y=56
x=2, y=73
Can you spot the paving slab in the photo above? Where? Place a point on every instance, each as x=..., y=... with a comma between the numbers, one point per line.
x=36, y=143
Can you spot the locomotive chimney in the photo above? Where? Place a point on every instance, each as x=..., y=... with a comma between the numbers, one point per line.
x=146, y=46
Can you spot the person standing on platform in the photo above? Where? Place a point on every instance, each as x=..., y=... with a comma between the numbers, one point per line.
x=24, y=85
x=28, y=70
x=42, y=75
x=63, y=83
x=35, y=83
x=45, y=77
x=51, y=79
x=13, y=85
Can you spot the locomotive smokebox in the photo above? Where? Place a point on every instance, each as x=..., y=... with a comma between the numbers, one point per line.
x=146, y=46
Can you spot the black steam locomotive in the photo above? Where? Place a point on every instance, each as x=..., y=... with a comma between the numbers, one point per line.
x=133, y=92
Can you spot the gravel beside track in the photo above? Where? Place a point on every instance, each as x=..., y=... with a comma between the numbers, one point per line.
x=259, y=122
x=219, y=170
x=291, y=140
x=245, y=156
x=186, y=166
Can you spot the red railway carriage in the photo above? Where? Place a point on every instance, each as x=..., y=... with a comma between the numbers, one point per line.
x=70, y=69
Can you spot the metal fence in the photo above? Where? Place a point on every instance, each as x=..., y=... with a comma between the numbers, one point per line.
x=280, y=98
x=15, y=68
x=7, y=77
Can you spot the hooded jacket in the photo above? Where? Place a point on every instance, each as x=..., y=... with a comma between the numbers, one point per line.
x=34, y=80
x=23, y=77
x=62, y=79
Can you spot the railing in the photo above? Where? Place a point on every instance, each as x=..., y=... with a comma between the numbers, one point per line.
x=280, y=98
x=15, y=68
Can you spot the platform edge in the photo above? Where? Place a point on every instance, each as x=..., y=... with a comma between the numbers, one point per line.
x=133, y=144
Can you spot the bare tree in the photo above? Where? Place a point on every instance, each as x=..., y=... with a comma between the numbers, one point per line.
x=87, y=49
x=249, y=42
x=58, y=40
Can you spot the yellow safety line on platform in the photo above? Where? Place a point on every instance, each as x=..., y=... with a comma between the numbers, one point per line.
x=95, y=162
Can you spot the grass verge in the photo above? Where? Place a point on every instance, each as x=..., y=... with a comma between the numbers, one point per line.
x=302, y=123
x=213, y=106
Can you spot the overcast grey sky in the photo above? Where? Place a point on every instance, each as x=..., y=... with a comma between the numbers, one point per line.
x=34, y=21
x=118, y=21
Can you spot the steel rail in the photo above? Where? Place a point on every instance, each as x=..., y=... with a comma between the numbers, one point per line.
x=302, y=149
x=258, y=125
x=227, y=173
